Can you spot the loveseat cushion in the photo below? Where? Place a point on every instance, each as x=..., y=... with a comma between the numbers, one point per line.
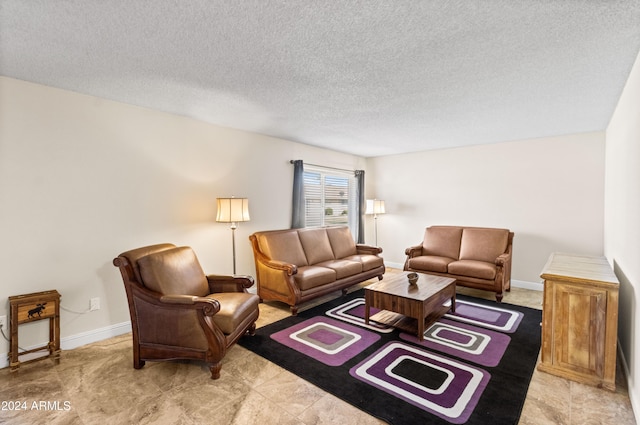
x=175, y=271
x=312, y=276
x=316, y=245
x=432, y=263
x=473, y=268
x=442, y=241
x=283, y=246
x=343, y=268
x=368, y=261
x=235, y=307
x=342, y=242
x=483, y=244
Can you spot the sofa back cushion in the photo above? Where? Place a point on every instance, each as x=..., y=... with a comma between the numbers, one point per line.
x=282, y=245
x=175, y=271
x=442, y=241
x=342, y=242
x=483, y=244
x=316, y=245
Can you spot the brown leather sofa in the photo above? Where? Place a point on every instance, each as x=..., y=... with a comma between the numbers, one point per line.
x=178, y=312
x=477, y=257
x=298, y=265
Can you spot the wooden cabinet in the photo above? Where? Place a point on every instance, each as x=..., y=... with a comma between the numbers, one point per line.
x=580, y=319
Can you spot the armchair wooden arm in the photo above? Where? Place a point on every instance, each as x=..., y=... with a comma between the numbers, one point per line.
x=225, y=283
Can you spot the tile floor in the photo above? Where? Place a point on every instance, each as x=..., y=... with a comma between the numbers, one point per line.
x=97, y=384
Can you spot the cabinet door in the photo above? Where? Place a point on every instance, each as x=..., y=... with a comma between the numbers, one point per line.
x=579, y=328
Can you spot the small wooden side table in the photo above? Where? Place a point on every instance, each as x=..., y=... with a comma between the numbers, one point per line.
x=30, y=308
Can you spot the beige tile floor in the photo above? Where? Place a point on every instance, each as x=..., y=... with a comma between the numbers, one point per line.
x=97, y=384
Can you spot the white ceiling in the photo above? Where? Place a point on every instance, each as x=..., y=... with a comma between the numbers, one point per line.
x=367, y=77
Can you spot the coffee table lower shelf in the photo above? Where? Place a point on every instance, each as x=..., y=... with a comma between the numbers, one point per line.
x=406, y=323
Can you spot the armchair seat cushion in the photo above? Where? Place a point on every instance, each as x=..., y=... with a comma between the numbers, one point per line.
x=312, y=276
x=432, y=263
x=235, y=307
x=473, y=268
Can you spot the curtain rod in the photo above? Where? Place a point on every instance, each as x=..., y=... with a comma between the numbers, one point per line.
x=324, y=166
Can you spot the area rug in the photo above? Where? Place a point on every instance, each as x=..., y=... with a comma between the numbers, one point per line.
x=472, y=367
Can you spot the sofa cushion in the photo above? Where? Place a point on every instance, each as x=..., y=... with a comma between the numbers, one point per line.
x=483, y=244
x=235, y=307
x=369, y=261
x=342, y=242
x=473, y=268
x=283, y=246
x=316, y=245
x=343, y=268
x=312, y=276
x=432, y=263
x=175, y=271
x=442, y=241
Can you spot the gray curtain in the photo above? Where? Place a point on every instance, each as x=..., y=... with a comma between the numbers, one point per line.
x=361, y=205
x=297, y=215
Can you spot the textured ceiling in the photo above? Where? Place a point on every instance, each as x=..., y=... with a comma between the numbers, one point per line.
x=368, y=77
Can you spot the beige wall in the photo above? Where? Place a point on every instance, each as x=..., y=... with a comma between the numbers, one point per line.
x=622, y=221
x=83, y=179
x=548, y=191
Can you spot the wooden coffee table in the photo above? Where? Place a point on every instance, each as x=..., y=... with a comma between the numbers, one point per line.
x=411, y=308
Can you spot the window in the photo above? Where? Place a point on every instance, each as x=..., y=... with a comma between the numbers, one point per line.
x=330, y=198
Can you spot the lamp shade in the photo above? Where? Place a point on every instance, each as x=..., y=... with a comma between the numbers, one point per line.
x=374, y=206
x=232, y=210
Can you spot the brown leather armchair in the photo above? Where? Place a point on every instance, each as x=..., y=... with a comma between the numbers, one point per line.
x=178, y=312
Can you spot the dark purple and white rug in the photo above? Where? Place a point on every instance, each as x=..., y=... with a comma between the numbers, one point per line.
x=472, y=367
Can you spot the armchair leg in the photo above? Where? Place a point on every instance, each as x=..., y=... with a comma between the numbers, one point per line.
x=137, y=363
x=215, y=370
x=252, y=329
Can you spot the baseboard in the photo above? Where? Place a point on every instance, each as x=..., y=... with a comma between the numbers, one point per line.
x=78, y=340
x=534, y=286
x=394, y=265
x=633, y=396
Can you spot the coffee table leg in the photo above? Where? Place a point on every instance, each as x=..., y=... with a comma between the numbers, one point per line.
x=421, y=320
x=453, y=301
x=366, y=309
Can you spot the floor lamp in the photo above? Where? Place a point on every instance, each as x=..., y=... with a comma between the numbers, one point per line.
x=375, y=207
x=233, y=210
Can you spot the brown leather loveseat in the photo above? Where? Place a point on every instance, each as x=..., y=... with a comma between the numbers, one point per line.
x=298, y=265
x=477, y=257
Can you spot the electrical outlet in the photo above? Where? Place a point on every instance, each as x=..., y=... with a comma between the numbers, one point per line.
x=95, y=304
x=3, y=322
